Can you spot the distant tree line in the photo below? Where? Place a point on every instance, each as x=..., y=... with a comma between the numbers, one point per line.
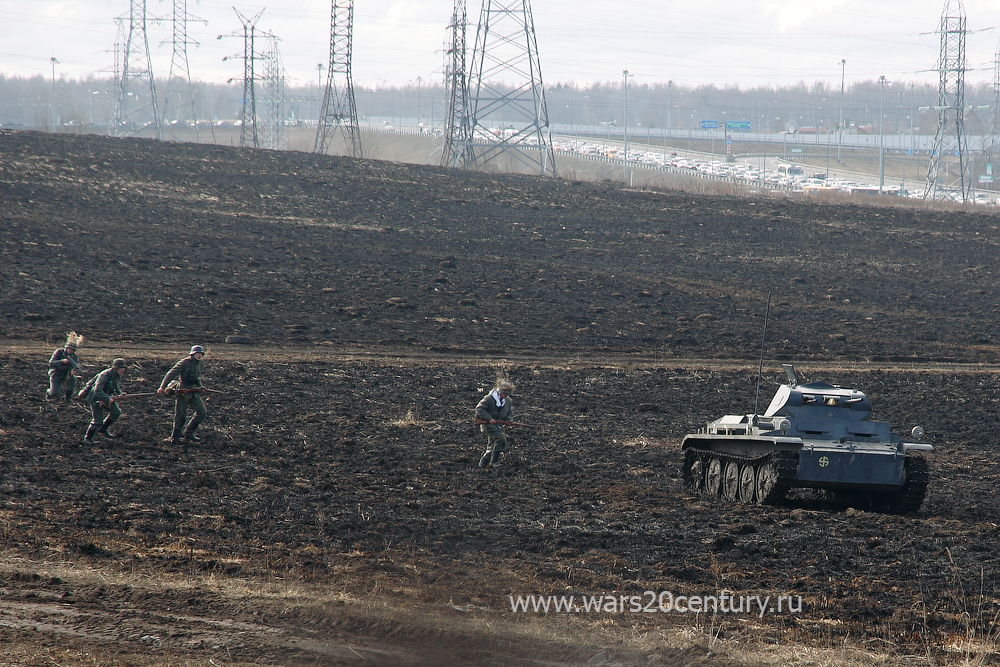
x=41, y=103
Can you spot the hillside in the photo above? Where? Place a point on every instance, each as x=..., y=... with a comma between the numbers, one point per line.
x=334, y=514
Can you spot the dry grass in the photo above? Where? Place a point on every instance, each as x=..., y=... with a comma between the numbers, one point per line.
x=410, y=419
x=627, y=638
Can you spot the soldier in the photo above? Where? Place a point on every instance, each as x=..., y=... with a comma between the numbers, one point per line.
x=61, y=366
x=100, y=396
x=495, y=406
x=185, y=381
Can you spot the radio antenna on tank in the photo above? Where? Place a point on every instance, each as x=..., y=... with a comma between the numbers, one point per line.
x=760, y=368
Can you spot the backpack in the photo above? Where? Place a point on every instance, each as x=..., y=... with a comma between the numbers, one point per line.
x=82, y=394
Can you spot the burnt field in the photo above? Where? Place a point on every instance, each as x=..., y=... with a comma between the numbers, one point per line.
x=333, y=513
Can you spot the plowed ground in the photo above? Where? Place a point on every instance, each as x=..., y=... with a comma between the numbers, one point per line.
x=334, y=514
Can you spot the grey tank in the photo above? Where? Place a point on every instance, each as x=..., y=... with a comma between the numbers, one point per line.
x=813, y=435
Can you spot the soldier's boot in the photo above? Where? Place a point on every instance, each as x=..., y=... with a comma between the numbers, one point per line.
x=495, y=459
x=485, y=461
x=89, y=438
x=104, y=429
x=189, y=435
x=175, y=437
x=69, y=397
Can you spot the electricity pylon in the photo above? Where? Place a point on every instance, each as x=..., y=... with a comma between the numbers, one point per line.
x=507, y=113
x=993, y=128
x=456, y=121
x=949, y=175
x=248, y=106
x=273, y=124
x=339, y=113
x=180, y=71
x=135, y=90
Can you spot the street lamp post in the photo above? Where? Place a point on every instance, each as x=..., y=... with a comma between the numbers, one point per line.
x=54, y=63
x=881, y=133
x=419, y=81
x=319, y=80
x=840, y=137
x=670, y=85
x=625, y=127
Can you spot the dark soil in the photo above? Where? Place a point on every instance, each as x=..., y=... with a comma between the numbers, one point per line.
x=334, y=513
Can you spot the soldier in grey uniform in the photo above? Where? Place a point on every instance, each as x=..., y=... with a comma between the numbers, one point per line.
x=187, y=374
x=61, y=366
x=495, y=406
x=100, y=396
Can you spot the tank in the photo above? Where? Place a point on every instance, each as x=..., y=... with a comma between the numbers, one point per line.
x=813, y=436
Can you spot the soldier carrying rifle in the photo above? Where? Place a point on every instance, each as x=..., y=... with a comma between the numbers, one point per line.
x=494, y=409
x=184, y=382
x=62, y=368
x=102, y=394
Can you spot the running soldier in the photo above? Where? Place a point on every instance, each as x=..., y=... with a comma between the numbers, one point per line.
x=495, y=407
x=100, y=396
x=184, y=382
x=62, y=365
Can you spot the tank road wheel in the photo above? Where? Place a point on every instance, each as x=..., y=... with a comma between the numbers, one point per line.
x=713, y=476
x=748, y=483
x=767, y=483
x=694, y=471
x=731, y=481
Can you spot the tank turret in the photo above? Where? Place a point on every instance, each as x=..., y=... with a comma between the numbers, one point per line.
x=813, y=435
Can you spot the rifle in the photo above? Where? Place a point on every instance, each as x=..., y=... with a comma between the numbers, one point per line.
x=479, y=421
x=74, y=367
x=174, y=387
x=198, y=390
x=122, y=397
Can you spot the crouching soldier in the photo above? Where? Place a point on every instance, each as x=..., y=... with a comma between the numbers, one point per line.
x=62, y=365
x=100, y=396
x=184, y=382
x=495, y=407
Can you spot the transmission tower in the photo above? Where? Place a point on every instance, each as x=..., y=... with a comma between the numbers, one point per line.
x=456, y=121
x=949, y=175
x=273, y=124
x=339, y=112
x=507, y=115
x=180, y=72
x=248, y=103
x=135, y=90
x=993, y=128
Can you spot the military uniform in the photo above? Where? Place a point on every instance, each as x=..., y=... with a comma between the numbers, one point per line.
x=188, y=372
x=100, y=397
x=495, y=405
x=61, y=378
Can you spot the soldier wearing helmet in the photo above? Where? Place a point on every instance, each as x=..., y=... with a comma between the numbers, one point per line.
x=184, y=382
x=62, y=366
x=495, y=406
x=100, y=395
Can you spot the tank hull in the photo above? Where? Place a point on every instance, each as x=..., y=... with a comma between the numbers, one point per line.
x=755, y=469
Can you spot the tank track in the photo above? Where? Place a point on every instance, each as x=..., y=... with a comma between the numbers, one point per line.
x=780, y=465
x=911, y=496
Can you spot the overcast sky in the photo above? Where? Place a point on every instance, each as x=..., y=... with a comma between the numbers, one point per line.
x=722, y=42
